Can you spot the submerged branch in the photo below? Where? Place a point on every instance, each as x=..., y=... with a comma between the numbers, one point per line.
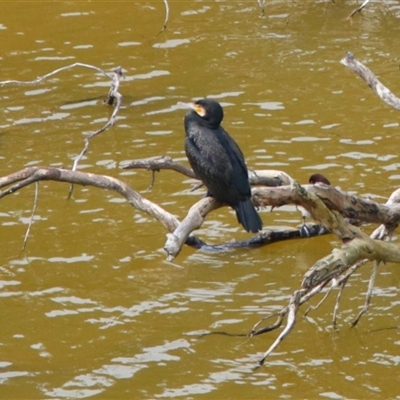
x=291, y=320
x=42, y=78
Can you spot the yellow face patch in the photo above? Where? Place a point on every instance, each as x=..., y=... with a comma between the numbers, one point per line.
x=199, y=109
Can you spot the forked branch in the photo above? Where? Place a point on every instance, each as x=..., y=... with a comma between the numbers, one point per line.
x=357, y=248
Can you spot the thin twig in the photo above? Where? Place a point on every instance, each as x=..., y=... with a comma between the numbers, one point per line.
x=32, y=215
x=369, y=293
x=166, y=16
x=113, y=94
x=291, y=320
x=311, y=307
x=358, y=9
x=41, y=78
x=306, y=294
x=337, y=303
x=261, y=3
x=153, y=180
x=159, y=163
x=276, y=325
x=341, y=281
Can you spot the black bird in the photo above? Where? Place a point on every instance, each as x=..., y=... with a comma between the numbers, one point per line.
x=218, y=162
x=318, y=178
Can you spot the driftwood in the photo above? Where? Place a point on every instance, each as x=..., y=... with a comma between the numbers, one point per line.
x=327, y=204
x=357, y=248
x=178, y=232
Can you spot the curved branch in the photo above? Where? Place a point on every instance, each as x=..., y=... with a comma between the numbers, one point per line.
x=42, y=78
x=358, y=9
x=159, y=163
x=256, y=177
x=166, y=15
x=27, y=176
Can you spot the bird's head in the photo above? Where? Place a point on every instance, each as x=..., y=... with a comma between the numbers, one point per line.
x=210, y=111
x=318, y=178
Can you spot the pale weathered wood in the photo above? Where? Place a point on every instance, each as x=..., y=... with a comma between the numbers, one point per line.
x=373, y=82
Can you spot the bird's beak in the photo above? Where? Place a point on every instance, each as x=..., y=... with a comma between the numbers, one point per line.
x=193, y=106
x=186, y=105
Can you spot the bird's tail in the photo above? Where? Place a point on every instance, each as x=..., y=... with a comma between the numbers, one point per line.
x=248, y=216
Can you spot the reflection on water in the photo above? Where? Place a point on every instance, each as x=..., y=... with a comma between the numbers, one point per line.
x=92, y=308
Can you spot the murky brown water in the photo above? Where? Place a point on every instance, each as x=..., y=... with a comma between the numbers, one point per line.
x=92, y=309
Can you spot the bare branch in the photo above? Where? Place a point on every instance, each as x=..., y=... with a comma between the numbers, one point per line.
x=27, y=176
x=341, y=282
x=166, y=15
x=385, y=231
x=291, y=320
x=367, y=75
x=112, y=95
x=336, y=267
x=358, y=9
x=192, y=221
x=350, y=206
x=369, y=293
x=256, y=177
x=41, y=78
x=261, y=3
x=32, y=215
x=158, y=163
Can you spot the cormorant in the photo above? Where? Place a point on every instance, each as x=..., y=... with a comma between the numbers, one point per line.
x=218, y=162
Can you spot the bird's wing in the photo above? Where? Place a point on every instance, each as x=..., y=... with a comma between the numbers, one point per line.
x=209, y=155
x=239, y=168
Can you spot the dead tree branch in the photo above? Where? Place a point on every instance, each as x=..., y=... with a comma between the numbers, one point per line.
x=159, y=163
x=385, y=231
x=261, y=3
x=349, y=206
x=35, y=200
x=113, y=95
x=259, y=177
x=357, y=247
x=369, y=77
x=42, y=78
x=27, y=176
x=166, y=16
x=357, y=10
